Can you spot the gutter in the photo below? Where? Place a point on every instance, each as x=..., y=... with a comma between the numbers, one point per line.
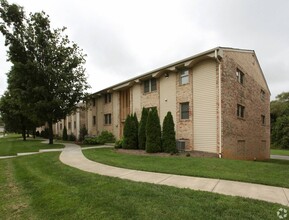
x=220, y=103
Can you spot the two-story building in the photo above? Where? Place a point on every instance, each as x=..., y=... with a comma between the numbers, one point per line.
x=219, y=100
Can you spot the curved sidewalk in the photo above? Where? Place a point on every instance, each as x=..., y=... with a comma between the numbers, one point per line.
x=72, y=155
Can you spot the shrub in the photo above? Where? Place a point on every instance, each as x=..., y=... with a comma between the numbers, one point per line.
x=44, y=133
x=169, y=135
x=280, y=132
x=130, y=133
x=37, y=133
x=90, y=140
x=106, y=137
x=118, y=144
x=142, y=129
x=82, y=133
x=71, y=137
x=153, y=132
x=64, y=134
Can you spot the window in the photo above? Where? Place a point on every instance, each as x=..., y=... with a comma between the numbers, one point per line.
x=60, y=126
x=184, y=77
x=240, y=111
x=240, y=76
x=185, y=110
x=150, y=85
x=107, y=98
x=69, y=125
x=107, y=119
x=263, y=119
x=94, y=120
x=75, y=125
x=93, y=102
x=262, y=94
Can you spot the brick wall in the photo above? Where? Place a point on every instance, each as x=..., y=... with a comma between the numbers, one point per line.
x=244, y=138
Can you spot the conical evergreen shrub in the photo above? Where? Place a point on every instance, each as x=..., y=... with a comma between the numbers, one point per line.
x=169, y=135
x=153, y=132
x=64, y=134
x=130, y=133
x=142, y=129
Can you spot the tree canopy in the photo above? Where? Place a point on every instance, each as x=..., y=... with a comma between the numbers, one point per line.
x=280, y=121
x=47, y=77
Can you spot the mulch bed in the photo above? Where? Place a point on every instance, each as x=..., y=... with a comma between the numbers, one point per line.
x=180, y=154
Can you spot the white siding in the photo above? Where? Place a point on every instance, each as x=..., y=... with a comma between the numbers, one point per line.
x=205, y=107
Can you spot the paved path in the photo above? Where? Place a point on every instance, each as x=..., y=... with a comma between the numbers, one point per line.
x=72, y=155
x=279, y=157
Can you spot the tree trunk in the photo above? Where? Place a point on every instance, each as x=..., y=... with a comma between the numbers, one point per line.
x=50, y=132
x=24, y=133
x=33, y=133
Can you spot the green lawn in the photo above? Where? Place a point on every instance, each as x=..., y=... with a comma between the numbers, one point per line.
x=13, y=144
x=272, y=172
x=280, y=152
x=41, y=187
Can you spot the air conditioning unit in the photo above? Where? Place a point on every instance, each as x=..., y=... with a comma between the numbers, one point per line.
x=181, y=144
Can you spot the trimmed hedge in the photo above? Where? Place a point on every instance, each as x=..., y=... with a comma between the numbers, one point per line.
x=169, y=135
x=142, y=129
x=153, y=132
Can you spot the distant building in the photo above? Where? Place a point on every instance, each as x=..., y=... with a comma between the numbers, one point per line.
x=219, y=100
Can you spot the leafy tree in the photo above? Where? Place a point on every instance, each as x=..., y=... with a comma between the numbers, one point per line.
x=280, y=135
x=169, y=135
x=48, y=77
x=64, y=134
x=13, y=117
x=130, y=133
x=142, y=129
x=153, y=132
x=279, y=120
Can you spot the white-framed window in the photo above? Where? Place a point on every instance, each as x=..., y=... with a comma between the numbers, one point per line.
x=240, y=76
x=150, y=85
x=107, y=119
x=184, y=77
x=240, y=111
x=107, y=98
x=185, y=110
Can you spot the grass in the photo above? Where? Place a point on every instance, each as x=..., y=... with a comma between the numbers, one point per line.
x=280, y=152
x=272, y=172
x=41, y=187
x=13, y=144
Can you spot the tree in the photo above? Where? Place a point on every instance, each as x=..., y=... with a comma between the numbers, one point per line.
x=169, y=135
x=130, y=133
x=153, y=132
x=280, y=134
x=279, y=120
x=48, y=77
x=13, y=117
x=142, y=129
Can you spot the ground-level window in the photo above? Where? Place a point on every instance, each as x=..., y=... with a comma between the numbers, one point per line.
x=94, y=120
x=240, y=76
x=185, y=110
x=263, y=119
x=184, y=77
x=107, y=119
x=150, y=85
x=240, y=111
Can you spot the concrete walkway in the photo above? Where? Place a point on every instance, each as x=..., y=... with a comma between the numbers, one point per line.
x=279, y=157
x=72, y=155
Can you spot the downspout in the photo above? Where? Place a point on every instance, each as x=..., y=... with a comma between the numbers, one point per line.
x=220, y=104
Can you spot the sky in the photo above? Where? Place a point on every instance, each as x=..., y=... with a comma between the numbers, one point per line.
x=123, y=39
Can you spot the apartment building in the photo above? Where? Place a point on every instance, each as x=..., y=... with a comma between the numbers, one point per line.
x=219, y=100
